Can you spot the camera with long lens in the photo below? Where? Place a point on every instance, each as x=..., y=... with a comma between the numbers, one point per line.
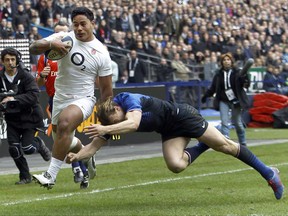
x=10, y=106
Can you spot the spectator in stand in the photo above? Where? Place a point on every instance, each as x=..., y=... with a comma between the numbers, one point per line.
x=143, y=18
x=131, y=20
x=7, y=31
x=285, y=72
x=271, y=58
x=70, y=5
x=28, y=9
x=130, y=42
x=258, y=62
x=164, y=72
x=189, y=39
x=265, y=24
x=46, y=12
x=214, y=45
x=34, y=34
x=8, y=12
x=137, y=19
x=136, y=70
x=49, y=23
x=20, y=32
x=21, y=17
x=3, y=25
x=210, y=67
x=35, y=17
x=4, y=13
x=111, y=20
x=40, y=6
x=275, y=81
x=172, y=24
x=198, y=45
x=285, y=55
x=146, y=45
x=99, y=16
x=167, y=54
x=247, y=50
x=182, y=73
x=187, y=61
x=151, y=16
x=160, y=16
x=231, y=46
x=103, y=32
x=239, y=57
x=140, y=50
x=60, y=8
x=125, y=22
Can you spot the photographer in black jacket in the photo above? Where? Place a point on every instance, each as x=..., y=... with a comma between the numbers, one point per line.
x=23, y=114
x=228, y=86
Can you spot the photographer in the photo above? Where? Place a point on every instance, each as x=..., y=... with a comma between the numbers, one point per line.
x=228, y=86
x=23, y=114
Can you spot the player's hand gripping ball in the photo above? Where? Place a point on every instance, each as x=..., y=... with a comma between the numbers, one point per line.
x=55, y=55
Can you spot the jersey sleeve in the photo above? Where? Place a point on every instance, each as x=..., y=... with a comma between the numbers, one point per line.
x=105, y=68
x=129, y=101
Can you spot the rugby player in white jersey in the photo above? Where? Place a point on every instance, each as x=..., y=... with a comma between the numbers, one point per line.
x=75, y=83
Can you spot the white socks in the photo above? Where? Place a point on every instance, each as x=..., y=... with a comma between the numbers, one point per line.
x=54, y=167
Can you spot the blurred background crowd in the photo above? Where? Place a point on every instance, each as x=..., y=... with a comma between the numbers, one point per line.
x=166, y=40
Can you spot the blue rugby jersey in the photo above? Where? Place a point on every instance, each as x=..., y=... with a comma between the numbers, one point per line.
x=155, y=112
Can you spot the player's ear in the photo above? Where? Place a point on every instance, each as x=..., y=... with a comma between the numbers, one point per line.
x=117, y=108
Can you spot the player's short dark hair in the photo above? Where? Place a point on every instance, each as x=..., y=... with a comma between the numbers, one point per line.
x=82, y=11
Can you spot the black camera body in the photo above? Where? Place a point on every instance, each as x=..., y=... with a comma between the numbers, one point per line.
x=10, y=106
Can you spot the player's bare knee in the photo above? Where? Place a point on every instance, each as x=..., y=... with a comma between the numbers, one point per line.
x=176, y=167
x=63, y=127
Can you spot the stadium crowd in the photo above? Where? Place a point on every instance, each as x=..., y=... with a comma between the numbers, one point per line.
x=197, y=31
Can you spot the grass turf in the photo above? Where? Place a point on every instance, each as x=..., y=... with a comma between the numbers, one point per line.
x=215, y=184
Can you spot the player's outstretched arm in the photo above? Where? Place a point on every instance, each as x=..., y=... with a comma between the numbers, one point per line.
x=87, y=151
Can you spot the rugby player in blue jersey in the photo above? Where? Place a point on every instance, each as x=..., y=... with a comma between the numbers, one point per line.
x=177, y=124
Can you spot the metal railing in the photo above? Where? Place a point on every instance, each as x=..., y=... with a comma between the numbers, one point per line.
x=121, y=56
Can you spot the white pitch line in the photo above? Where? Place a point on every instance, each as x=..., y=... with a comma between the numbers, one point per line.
x=129, y=186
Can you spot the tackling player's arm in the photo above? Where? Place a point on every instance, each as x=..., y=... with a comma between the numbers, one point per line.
x=87, y=151
x=130, y=124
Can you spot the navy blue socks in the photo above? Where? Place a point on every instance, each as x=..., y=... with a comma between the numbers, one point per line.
x=246, y=156
x=195, y=151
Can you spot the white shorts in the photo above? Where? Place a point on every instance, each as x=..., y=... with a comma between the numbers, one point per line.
x=85, y=104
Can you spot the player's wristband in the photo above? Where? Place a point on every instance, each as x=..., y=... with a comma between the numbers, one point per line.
x=105, y=137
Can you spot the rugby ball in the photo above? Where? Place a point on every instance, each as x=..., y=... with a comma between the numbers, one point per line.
x=55, y=55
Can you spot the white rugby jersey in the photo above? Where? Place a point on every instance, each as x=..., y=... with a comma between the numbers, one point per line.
x=78, y=70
